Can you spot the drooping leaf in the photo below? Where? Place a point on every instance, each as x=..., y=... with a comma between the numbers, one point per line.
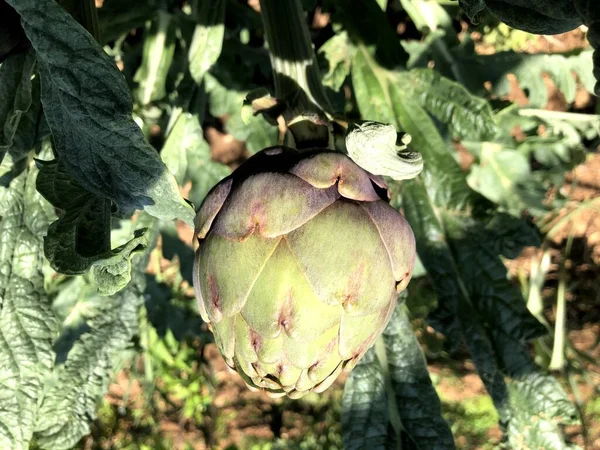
x=365, y=406
x=418, y=404
x=17, y=94
x=113, y=273
x=81, y=237
x=27, y=324
x=80, y=381
x=159, y=49
x=88, y=108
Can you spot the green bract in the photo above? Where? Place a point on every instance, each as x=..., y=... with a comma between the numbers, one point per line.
x=299, y=266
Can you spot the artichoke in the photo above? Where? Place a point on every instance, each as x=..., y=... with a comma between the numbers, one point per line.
x=298, y=267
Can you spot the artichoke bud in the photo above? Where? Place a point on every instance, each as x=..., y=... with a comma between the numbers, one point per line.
x=298, y=266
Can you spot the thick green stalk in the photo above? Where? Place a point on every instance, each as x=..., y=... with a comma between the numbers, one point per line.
x=297, y=77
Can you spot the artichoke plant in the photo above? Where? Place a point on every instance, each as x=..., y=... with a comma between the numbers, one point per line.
x=298, y=267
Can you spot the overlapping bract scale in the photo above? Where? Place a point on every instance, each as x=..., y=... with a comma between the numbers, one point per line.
x=299, y=263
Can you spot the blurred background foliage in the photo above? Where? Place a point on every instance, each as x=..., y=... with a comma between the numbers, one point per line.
x=170, y=388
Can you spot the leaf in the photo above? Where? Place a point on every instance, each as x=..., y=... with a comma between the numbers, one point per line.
x=372, y=146
x=504, y=177
x=338, y=53
x=418, y=404
x=540, y=406
x=81, y=237
x=27, y=324
x=468, y=116
x=207, y=40
x=113, y=273
x=187, y=155
x=88, y=108
x=365, y=406
x=17, y=93
x=80, y=381
x=157, y=57
x=81, y=234
x=528, y=69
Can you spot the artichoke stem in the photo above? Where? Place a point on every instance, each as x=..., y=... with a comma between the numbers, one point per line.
x=295, y=71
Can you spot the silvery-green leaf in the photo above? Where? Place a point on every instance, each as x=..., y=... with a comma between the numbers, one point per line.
x=373, y=146
x=27, y=324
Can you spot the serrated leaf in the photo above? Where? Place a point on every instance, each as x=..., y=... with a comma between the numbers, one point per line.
x=17, y=94
x=188, y=156
x=338, y=52
x=365, y=406
x=207, y=39
x=418, y=404
x=468, y=116
x=81, y=380
x=27, y=324
x=88, y=108
x=157, y=57
x=539, y=407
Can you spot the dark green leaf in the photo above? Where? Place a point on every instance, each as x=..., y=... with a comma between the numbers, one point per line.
x=18, y=91
x=88, y=108
x=81, y=235
x=27, y=324
x=418, y=404
x=365, y=406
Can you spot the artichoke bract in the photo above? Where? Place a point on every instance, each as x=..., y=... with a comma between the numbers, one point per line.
x=299, y=263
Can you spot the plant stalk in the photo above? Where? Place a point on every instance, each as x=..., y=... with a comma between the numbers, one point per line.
x=295, y=70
